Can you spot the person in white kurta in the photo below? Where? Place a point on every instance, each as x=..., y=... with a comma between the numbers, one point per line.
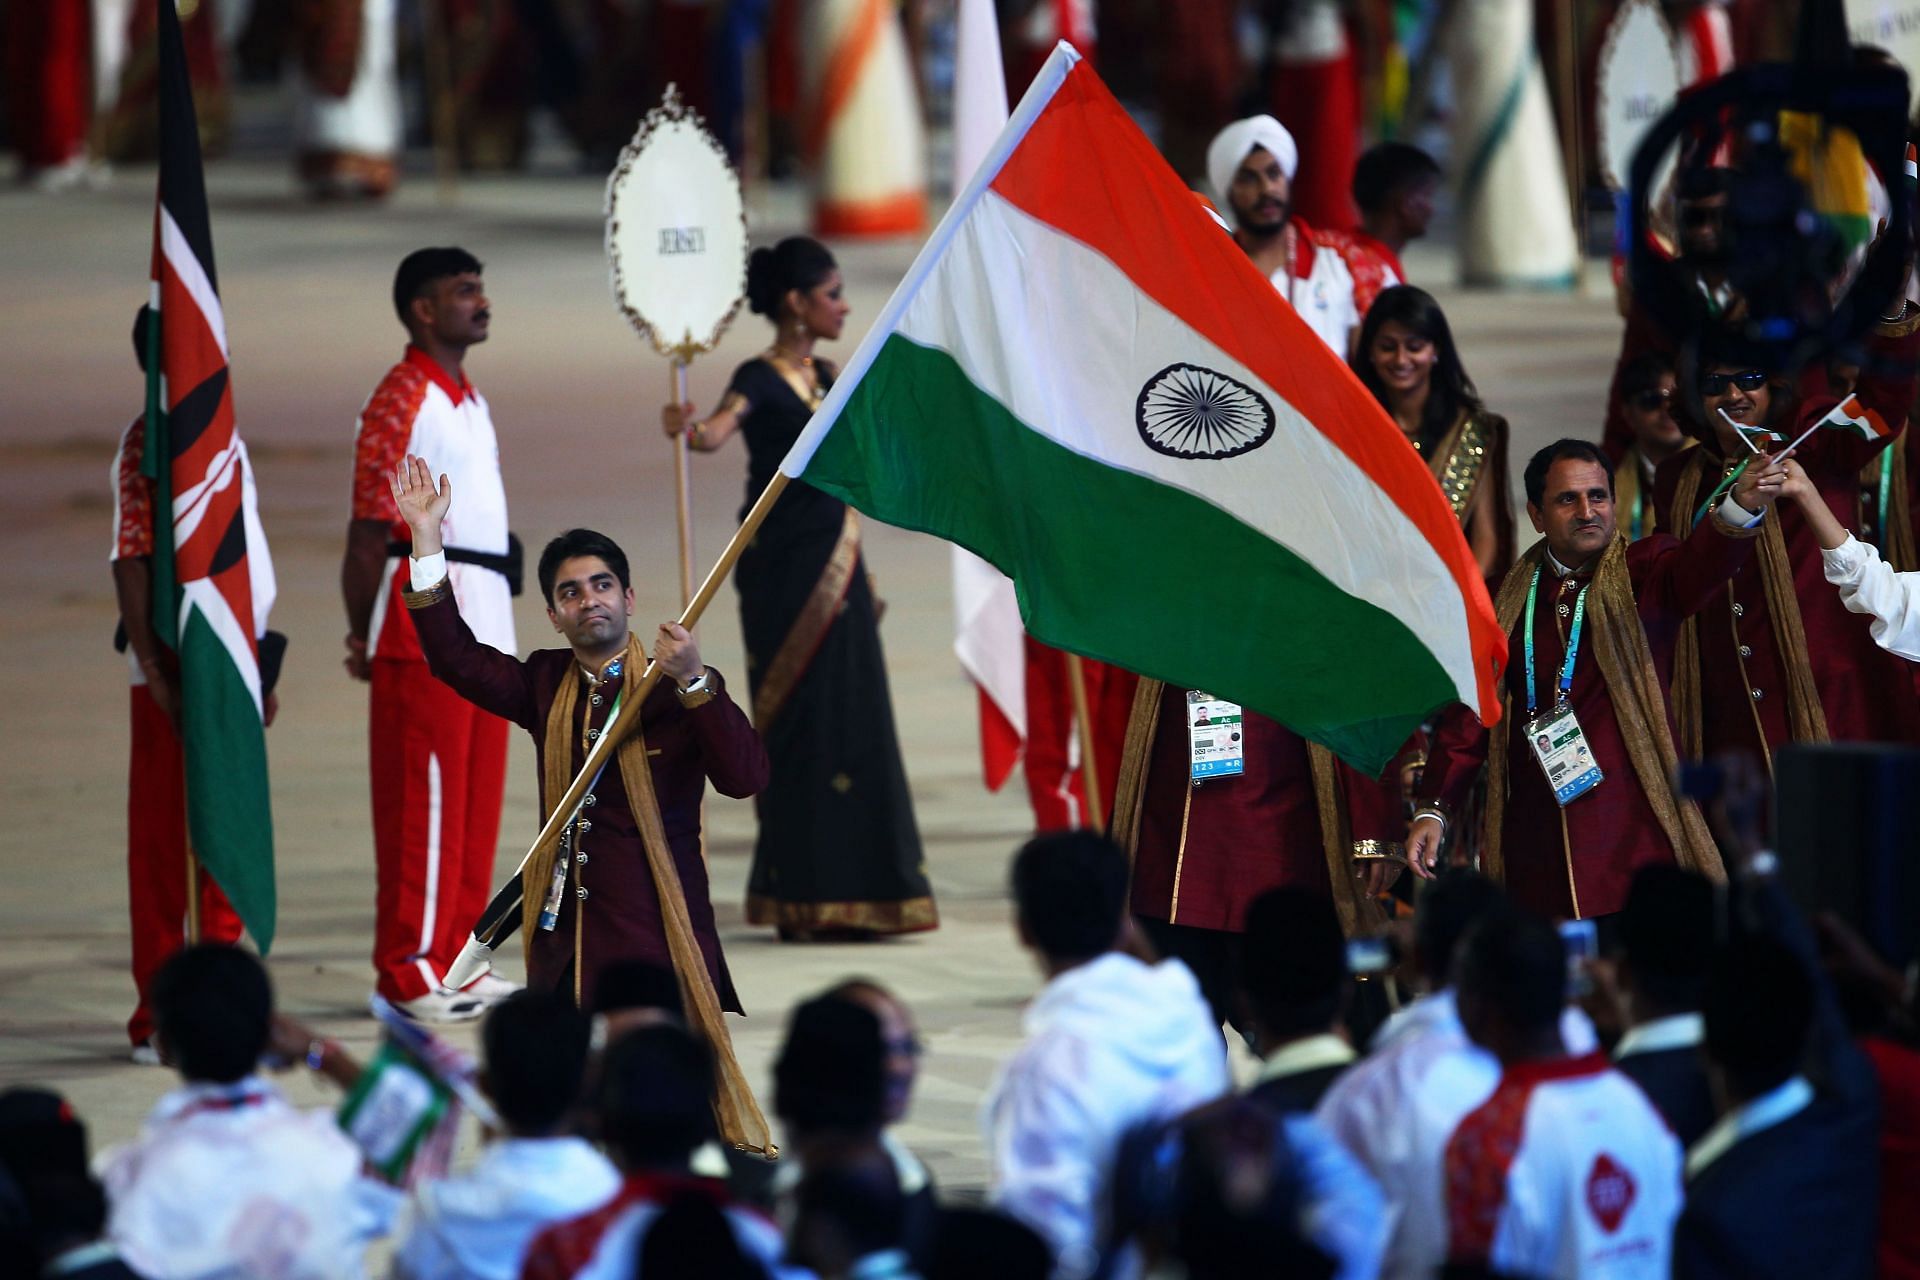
x=1867, y=583
x=1111, y=1043
x=477, y=1225
x=226, y=1179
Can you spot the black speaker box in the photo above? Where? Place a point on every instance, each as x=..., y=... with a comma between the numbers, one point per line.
x=1846, y=826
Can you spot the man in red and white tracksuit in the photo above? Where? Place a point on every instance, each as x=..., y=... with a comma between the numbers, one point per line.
x=156, y=764
x=438, y=762
x=1566, y=1170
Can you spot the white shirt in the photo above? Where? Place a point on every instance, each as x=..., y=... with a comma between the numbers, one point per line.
x=1869, y=585
x=1395, y=1109
x=1769, y=1109
x=1567, y=1171
x=1110, y=1045
x=1323, y=297
x=1677, y=1031
x=229, y=1181
x=478, y=1227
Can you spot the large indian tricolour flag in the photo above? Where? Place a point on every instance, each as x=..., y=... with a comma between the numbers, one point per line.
x=1085, y=383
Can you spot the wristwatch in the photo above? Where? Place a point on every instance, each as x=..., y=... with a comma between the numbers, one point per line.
x=697, y=690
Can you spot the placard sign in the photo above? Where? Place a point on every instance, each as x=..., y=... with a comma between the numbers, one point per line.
x=676, y=232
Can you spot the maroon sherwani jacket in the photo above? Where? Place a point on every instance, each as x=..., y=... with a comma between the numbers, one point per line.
x=1866, y=692
x=1206, y=851
x=686, y=747
x=1582, y=868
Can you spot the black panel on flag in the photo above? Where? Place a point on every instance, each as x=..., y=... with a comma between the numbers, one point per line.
x=194, y=413
x=183, y=188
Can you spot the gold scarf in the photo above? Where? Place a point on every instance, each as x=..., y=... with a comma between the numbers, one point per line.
x=1626, y=665
x=1806, y=719
x=734, y=1109
x=1359, y=914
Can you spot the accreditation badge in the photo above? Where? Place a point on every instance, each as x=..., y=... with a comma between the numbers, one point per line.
x=1560, y=745
x=1215, y=737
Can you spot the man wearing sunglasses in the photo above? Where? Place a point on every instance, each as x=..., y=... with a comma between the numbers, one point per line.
x=1704, y=256
x=1648, y=387
x=1777, y=658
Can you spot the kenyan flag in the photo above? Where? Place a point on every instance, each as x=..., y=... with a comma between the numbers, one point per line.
x=1082, y=381
x=209, y=576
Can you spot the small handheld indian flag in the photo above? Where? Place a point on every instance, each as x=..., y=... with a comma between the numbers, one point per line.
x=1851, y=415
x=1085, y=383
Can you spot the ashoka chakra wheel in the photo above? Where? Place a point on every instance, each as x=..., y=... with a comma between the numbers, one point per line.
x=1186, y=411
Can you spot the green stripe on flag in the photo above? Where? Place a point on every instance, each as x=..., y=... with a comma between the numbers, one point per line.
x=1125, y=569
x=228, y=806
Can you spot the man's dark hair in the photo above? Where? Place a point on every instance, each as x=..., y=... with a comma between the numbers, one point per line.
x=1666, y=936
x=43, y=1156
x=970, y=1243
x=1643, y=373
x=1443, y=915
x=693, y=1239
x=656, y=1091
x=1538, y=466
x=862, y=1199
x=581, y=542
x=1758, y=1008
x=638, y=984
x=1387, y=169
x=1515, y=962
x=1070, y=888
x=419, y=269
x=831, y=1073
x=212, y=1006
x=535, y=1048
x=1293, y=963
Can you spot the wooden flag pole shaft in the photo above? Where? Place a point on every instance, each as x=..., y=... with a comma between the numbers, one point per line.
x=1083, y=722
x=193, y=897
x=603, y=750
x=682, y=487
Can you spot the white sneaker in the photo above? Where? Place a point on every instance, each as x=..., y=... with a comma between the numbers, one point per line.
x=490, y=987
x=146, y=1054
x=442, y=1006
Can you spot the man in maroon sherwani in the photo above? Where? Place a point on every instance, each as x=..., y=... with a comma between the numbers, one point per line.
x=1865, y=693
x=1577, y=861
x=1203, y=849
x=694, y=734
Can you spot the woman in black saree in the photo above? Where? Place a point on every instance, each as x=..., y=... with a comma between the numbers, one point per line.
x=838, y=853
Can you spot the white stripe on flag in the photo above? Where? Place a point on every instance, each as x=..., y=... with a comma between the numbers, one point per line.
x=985, y=310
x=193, y=277
x=201, y=594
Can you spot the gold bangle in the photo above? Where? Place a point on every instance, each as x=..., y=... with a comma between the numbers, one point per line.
x=441, y=590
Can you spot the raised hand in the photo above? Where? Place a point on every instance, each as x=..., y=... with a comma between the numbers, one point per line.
x=421, y=505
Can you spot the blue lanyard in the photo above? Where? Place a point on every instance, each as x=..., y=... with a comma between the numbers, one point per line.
x=1573, y=639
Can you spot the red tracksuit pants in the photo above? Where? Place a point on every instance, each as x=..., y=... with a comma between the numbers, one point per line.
x=157, y=857
x=439, y=764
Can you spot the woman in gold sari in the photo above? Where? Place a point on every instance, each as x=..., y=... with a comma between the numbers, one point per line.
x=838, y=853
x=1407, y=358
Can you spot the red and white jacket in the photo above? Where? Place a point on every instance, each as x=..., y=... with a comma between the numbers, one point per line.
x=1567, y=1170
x=418, y=409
